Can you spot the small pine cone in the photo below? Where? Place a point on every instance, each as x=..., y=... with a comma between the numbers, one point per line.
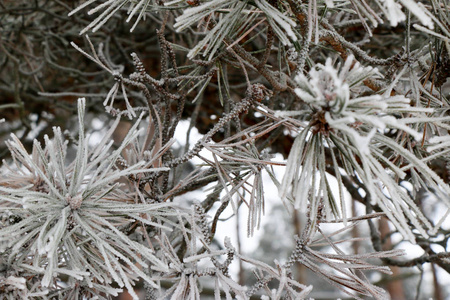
x=258, y=92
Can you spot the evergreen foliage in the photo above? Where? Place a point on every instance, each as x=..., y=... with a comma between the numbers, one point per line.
x=352, y=94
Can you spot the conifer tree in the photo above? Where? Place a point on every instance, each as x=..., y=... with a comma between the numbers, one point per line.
x=340, y=104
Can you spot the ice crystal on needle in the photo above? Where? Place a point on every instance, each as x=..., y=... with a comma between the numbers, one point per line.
x=350, y=129
x=70, y=219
